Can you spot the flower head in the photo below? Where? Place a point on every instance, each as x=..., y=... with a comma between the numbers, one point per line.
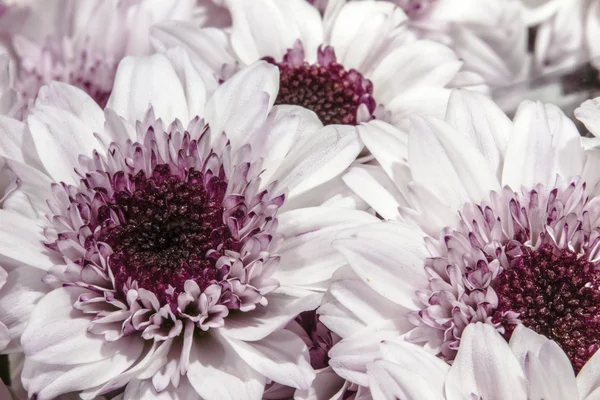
x=175, y=253
x=497, y=223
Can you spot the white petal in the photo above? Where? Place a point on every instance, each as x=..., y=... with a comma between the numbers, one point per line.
x=326, y=384
x=389, y=145
x=589, y=114
x=258, y=324
x=389, y=381
x=12, y=136
x=57, y=334
x=524, y=340
x=282, y=23
x=550, y=374
x=374, y=186
x=21, y=242
x=544, y=144
x=282, y=357
x=252, y=91
x=23, y=289
x=318, y=159
x=49, y=381
x=137, y=389
x=142, y=82
x=415, y=65
x=480, y=119
x=349, y=357
x=307, y=255
x=448, y=163
x=389, y=257
x=191, y=81
x=73, y=100
x=588, y=379
x=485, y=367
x=217, y=373
x=60, y=138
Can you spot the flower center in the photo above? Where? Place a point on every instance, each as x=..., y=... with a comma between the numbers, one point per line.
x=555, y=293
x=172, y=228
x=336, y=95
x=169, y=230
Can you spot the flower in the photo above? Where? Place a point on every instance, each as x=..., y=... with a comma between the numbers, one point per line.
x=491, y=221
x=176, y=252
x=529, y=366
x=349, y=67
x=85, y=42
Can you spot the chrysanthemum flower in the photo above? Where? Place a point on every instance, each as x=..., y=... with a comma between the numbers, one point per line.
x=496, y=223
x=349, y=67
x=529, y=366
x=176, y=248
x=85, y=42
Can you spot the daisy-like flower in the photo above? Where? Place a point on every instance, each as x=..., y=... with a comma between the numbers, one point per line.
x=495, y=222
x=176, y=248
x=85, y=42
x=349, y=67
x=530, y=366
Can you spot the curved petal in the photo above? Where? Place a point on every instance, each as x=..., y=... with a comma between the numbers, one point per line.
x=306, y=254
x=389, y=257
x=142, y=82
x=217, y=373
x=544, y=144
x=485, y=367
x=282, y=357
x=57, y=333
x=389, y=381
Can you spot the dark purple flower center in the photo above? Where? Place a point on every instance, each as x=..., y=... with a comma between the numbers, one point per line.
x=321, y=339
x=555, y=293
x=336, y=95
x=170, y=229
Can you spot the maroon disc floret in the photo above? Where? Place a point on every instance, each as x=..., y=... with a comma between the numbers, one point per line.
x=557, y=294
x=336, y=95
x=168, y=232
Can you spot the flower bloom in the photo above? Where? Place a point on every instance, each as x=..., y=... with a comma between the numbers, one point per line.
x=174, y=253
x=493, y=221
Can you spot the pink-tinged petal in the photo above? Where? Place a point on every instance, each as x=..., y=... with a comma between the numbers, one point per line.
x=20, y=294
x=362, y=307
x=306, y=254
x=443, y=159
x=375, y=187
x=48, y=381
x=318, y=158
x=243, y=102
x=74, y=101
x=4, y=337
x=389, y=257
x=217, y=373
x=281, y=357
x=282, y=23
x=144, y=389
x=5, y=393
x=21, y=242
x=263, y=321
x=144, y=81
x=349, y=357
x=57, y=333
x=589, y=114
x=60, y=137
x=485, y=367
x=478, y=118
x=12, y=137
x=544, y=144
x=389, y=381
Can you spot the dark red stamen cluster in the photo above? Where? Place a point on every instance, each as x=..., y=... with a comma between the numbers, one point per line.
x=326, y=88
x=168, y=230
x=556, y=294
x=321, y=338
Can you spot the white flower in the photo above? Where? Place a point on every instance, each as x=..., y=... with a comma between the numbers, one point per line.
x=176, y=248
x=349, y=67
x=81, y=43
x=528, y=367
x=496, y=222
